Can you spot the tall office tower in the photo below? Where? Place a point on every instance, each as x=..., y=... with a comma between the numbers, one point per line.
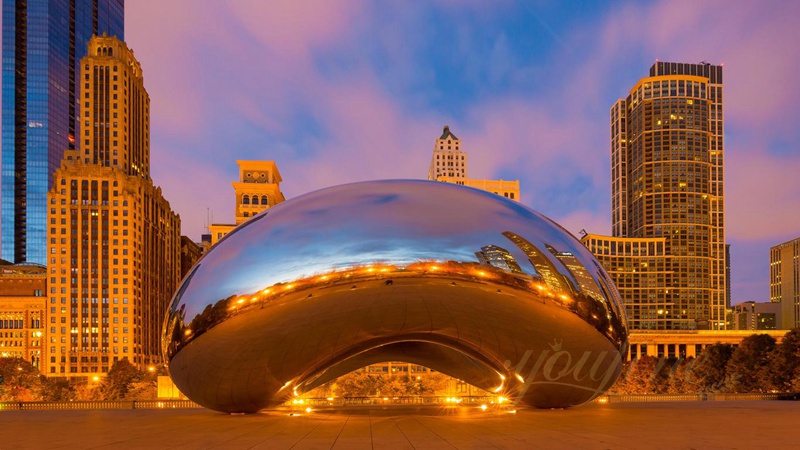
x=258, y=189
x=448, y=159
x=449, y=165
x=666, y=182
x=43, y=42
x=784, y=281
x=114, y=259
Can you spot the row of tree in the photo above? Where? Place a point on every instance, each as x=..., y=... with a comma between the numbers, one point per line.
x=21, y=382
x=757, y=364
x=360, y=383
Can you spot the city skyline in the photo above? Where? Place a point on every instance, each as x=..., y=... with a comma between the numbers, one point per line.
x=527, y=88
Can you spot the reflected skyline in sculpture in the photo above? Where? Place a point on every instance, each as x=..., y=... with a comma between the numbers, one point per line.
x=317, y=287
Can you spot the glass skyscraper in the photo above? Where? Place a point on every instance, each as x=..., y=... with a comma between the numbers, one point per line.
x=43, y=42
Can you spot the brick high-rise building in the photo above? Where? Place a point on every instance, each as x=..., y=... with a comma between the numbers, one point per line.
x=114, y=241
x=43, y=42
x=667, y=183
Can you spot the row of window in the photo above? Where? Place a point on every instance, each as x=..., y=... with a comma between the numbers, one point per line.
x=255, y=199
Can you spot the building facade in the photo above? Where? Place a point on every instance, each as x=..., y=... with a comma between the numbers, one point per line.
x=22, y=311
x=686, y=343
x=448, y=160
x=504, y=188
x=258, y=189
x=43, y=43
x=755, y=316
x=114, y=241
x=667, y=183
x=784, y=281
x=191, y=252
x=640, y=269
x=449, y=165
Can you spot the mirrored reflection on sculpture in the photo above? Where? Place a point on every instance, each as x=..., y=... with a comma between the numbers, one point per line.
x=459, y=280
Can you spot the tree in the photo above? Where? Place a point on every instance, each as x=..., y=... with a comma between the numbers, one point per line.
x=435, y=383
x=646, y=375
x=121, y=377
x=358, y=384
x=58, y=390
x=783, y=366
x=681, y=380
x=708, y=370
x=142, y=390
x=747, y=364
x=21, y=382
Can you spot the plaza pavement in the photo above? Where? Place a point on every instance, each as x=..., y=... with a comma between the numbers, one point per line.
x=690, y=425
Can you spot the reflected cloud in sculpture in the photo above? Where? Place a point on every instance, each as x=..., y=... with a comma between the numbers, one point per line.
x=460, y=280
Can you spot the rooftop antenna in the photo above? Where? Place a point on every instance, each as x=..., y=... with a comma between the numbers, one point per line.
x=209, y=218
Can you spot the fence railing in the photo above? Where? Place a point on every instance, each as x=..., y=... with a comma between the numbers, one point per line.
x=405, y=400
x=379, y=401
x=101, y=404
x=710, y=396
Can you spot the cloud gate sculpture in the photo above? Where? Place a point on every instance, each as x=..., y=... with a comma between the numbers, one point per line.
x=459, y=280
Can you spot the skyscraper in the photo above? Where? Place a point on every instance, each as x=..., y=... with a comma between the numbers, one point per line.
x=43, y=42
x=114, y=259
x=784, y=281
x=448, y=159
x=667, y=182
x=449, y=164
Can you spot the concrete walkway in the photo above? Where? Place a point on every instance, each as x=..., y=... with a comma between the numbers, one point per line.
x=750, y=424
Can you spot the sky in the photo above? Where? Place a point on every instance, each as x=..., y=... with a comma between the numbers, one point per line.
x=350, y=90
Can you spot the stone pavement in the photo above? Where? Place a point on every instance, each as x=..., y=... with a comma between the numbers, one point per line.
x=702, y=425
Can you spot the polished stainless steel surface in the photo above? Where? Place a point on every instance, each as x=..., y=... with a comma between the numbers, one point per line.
x=459, y=280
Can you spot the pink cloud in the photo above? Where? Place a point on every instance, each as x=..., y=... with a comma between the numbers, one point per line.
x=762, y=194
x=593, y=223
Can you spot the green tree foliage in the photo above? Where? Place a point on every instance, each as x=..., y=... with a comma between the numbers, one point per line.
x=21, y=382
x=747, y=364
